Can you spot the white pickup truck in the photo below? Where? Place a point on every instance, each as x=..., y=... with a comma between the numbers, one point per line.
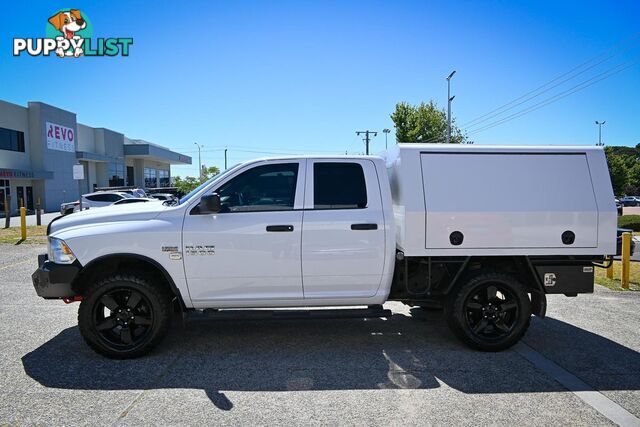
x=484, y=232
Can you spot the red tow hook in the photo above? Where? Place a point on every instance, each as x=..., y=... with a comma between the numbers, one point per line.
x=69, y=300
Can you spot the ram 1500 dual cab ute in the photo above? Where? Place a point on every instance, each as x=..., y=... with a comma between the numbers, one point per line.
x=484, y=232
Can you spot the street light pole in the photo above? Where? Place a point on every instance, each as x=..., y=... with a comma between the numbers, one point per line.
x=199, y=160
x=449, y=99
x=386, y=132
x=600, y=131
x=225, y=159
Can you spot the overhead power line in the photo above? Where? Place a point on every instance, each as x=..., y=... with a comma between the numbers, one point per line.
x=561, y=95
x=615, y=50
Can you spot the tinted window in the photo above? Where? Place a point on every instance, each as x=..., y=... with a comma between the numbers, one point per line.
x=12, y=140
x=262, y=188
x=339, y=186
x=98, y=198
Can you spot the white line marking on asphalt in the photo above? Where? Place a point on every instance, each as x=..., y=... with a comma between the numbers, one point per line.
x=584, y=391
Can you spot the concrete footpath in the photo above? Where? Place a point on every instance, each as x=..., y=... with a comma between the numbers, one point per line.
x=31, y=219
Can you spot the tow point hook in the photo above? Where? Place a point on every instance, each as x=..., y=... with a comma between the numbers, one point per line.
x=69, y=300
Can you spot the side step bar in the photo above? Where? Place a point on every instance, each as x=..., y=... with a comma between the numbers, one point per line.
x=261, y=314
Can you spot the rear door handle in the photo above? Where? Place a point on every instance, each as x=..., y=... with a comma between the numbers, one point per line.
x=276, y=228
x=364, y=226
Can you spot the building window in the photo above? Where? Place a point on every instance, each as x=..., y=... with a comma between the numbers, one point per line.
x=150, y=178
x=164, y=178
x=115, y=172
x=12, y=140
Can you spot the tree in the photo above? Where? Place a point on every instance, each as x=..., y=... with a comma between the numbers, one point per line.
x=423, y=123
x=633, y=180
x=188, y=183
x=618, y=173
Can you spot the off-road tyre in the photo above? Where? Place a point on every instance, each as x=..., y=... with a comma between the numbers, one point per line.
x=485, y=323
x=135, y=305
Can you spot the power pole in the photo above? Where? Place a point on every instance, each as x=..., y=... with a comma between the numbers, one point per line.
x=449, y=99
x=225, y=159
x=199, y=160
x=600, y=132
x=366, y=137
x=386, y=133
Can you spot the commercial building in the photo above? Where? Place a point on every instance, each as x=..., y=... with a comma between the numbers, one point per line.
x=40, y=144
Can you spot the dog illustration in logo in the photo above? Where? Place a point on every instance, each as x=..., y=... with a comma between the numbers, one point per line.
x=68, y=23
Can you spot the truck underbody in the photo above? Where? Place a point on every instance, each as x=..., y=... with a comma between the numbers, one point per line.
x=427, y=281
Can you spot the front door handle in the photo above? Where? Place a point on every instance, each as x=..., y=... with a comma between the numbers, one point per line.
x=364, y=226
x=276, y=228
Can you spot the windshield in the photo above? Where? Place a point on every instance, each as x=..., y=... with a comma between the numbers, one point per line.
x=206, y=183
x=126, y=195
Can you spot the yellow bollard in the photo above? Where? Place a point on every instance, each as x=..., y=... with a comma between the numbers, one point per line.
x=23, y=222
x=610, y=269
x=626, y=255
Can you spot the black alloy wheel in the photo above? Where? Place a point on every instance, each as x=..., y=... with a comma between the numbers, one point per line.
x=123, y=318
x=125, y=315
x=489, y=311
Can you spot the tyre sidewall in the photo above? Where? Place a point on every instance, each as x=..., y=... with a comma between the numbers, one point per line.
x=456, y=313
x=159, y=306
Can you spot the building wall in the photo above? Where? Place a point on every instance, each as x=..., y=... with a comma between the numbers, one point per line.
x=86, y=140
x=15, y=117
x=50, y=172
x=61, y=162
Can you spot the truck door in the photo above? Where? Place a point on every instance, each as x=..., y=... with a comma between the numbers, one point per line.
x=251, y=249
x=343, y=240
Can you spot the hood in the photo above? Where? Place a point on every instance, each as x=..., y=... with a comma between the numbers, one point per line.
x=126, y=212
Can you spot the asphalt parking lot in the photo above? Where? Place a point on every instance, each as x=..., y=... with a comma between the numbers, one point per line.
x=407, y=369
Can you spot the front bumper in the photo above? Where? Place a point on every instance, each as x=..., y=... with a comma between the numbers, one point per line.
x=53, y=281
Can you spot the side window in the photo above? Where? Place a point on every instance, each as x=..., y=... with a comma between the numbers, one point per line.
x=262, y=188
x=339, y=186
x=95, y=198
x=114, y=197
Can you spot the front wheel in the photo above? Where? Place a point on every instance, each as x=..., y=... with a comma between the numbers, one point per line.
x=124, y=316
x=490, y=311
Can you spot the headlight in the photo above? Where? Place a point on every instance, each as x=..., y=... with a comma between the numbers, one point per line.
x=59, y=252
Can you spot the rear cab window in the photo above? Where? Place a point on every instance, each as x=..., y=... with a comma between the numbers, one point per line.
x=339, y=185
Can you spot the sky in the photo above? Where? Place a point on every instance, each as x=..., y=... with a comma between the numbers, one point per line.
x=302, y=77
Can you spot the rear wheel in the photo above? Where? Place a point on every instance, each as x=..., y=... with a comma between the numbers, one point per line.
x=490, y=311
x=124, y=316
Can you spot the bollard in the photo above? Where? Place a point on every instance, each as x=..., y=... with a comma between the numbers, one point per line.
x=7, y=212
x=38, y=219
x=610, y=269
x=23, y=223
x=626, y=256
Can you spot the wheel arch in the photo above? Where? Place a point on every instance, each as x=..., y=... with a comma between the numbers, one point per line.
x=114, y=263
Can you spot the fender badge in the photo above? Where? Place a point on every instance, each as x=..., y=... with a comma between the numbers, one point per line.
x=175, y=256
x=169, y=248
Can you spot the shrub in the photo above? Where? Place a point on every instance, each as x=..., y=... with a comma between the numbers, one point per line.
x=629, y=221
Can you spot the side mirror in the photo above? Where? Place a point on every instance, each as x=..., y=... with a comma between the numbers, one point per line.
x=209, y=204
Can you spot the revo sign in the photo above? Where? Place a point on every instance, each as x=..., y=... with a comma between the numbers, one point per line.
x=60, y=138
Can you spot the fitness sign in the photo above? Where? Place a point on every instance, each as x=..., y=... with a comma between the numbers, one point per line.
x=60, y=138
